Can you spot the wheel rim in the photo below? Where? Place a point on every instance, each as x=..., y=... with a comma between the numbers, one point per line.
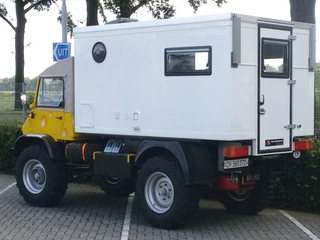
x=113, y=180
x=34, y=176
x=159, y=192
x=239, y=196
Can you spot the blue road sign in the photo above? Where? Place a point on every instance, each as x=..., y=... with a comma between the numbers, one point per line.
x=61, y=51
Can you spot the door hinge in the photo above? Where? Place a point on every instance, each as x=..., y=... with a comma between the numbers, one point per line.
x=290, y=126
x=292, y=37
x=292, y=82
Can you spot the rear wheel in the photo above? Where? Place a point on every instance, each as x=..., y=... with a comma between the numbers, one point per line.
x=246, y=202
x=41, y=180
x=165, y=199
x=116, y=186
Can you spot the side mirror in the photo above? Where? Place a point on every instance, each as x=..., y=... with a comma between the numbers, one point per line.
x=23, y=99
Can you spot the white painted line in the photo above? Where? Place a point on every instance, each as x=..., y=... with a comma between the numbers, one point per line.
x=127, y=219
x=298, y=224
x=7, y=188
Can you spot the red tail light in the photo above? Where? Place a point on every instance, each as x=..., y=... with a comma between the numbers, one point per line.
x=302, y=145
x=232, y=152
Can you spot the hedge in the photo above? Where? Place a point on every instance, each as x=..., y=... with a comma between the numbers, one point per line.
x=7, y=139
x=298, y=187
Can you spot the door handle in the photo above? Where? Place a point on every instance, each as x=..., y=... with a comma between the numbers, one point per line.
x=262, y=111
x=60, y=117
x=261, y=102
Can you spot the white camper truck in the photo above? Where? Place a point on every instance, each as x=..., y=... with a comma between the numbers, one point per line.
x=169, y=107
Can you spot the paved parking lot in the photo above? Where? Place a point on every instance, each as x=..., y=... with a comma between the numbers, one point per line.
x=88, y=213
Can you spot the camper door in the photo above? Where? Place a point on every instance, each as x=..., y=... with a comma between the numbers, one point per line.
x=274, y=88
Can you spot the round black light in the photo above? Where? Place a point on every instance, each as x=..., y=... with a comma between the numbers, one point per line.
x=99, y=52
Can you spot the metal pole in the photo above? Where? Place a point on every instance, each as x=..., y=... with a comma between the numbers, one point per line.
x=64, y=21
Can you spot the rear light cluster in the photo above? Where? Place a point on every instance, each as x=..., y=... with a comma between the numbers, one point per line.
x=245, y=151
x=303, y=145
x=233, y=152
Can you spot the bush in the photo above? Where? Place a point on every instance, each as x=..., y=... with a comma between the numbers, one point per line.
x=30, y=98
x=298, y=187
x=7, y=139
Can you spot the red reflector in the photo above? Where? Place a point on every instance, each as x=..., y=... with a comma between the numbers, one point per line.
x=233, y=152
x=303, y=145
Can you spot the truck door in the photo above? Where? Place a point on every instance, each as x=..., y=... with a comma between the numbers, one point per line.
x=49, y=111
x=274, y=88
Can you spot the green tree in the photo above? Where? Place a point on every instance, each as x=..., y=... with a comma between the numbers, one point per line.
x=8, y=84
x=125, y=8
x=22, y=7
x=31, y=84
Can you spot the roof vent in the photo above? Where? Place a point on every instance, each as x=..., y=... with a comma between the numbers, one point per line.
x=123, y=20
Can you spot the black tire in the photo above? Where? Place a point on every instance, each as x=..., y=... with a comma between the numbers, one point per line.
x=116, y=186
x=165, y=200
x=248, y=202
x=41, y=180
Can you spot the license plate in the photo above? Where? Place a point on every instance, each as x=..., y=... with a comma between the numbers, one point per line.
x=236, y=163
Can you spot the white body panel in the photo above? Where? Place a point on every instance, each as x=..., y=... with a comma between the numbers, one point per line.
x=129, y=94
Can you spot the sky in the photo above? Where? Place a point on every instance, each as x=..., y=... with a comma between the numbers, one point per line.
x=43, y=29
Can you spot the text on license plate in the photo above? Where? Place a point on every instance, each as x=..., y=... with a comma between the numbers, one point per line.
x=236, y=163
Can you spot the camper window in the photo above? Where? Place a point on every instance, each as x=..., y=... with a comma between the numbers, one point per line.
x=275, y=58
x=188, y=61
x=50, y=92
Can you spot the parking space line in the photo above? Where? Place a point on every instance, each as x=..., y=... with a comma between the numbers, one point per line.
x=298, y=224
x=127, y=219
x=7, y=188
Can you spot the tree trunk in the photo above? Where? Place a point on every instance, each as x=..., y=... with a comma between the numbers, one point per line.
x=19, y=55
x=125, y=9
x=303, y=10
x=92, y=12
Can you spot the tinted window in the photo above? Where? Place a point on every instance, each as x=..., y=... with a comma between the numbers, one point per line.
x=275, y=58
x=188, y=61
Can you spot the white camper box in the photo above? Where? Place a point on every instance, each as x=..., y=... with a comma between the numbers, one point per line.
x=248, y=78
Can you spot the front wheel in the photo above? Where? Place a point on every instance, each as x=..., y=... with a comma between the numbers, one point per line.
x=164, y=198
x=246, y=202
x=41, y=180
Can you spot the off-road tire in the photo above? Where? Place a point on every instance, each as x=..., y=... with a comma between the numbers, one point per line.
x=166, y=201
x=248, y=202
x=116, y=186
x=41, y=180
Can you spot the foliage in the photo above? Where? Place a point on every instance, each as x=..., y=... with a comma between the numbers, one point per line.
x=8, y=84
x=30, y=98
x=8, y=131
x=317, y=100
x=195, y=4
x=70, y=23
x=125, y=8
x=22, y=7
x=158, y=8
x=298, y=187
